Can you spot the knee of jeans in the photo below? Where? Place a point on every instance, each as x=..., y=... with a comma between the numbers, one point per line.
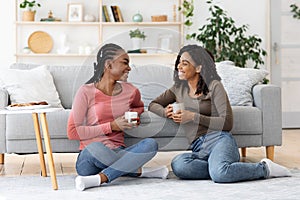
x=84, y=170
x=219, y=175
x=152, y=144
x=177, y=167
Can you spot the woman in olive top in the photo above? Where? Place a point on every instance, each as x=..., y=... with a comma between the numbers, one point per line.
x=207, y=120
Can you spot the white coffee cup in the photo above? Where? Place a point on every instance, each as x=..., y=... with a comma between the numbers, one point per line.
x=177, y=106
x=132, y=117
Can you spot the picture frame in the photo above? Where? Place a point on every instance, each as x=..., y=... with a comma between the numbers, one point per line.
x=75, y=12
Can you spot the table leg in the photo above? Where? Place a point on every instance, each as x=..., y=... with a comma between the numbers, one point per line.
x=1, y=158
x=49, y=150
x=39, y=143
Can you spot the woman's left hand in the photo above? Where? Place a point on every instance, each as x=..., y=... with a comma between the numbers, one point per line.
x=183, y=116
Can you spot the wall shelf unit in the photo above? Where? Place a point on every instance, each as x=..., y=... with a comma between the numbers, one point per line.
x=86, y=34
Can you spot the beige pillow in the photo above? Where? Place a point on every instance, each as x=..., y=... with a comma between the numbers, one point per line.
x=238, y=82
x=32, y=85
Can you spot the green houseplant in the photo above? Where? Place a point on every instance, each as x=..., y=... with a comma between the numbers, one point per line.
x=295, y=10
x=29, y=9
x=137, y=33
x=29, y=5
x=227, y=41
x=137, y=36
x=187, y=9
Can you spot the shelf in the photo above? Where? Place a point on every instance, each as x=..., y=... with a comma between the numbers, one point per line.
x=59, y=23
x=141, y=23
x=103, y=23
x=95, y=34
x=87, y=55
x=53, y=55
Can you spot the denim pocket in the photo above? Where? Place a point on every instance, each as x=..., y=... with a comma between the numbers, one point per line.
x=196, y=145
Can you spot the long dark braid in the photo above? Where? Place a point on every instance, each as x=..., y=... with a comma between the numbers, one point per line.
x=107, y=52
x=208, y=71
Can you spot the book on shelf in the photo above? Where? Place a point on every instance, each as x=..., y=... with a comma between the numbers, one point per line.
x=110, y=14
x=117, y=13
x=105, y=14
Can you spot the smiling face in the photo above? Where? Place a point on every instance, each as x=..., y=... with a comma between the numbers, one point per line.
x=119, y=66
x=186, y=68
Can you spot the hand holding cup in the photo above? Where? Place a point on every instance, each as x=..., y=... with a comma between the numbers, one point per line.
x=177, y=107
x=132, y=118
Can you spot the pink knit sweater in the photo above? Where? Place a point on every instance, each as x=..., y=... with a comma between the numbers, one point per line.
x=92, y=111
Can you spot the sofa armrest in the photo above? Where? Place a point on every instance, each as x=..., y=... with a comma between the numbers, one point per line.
x=3, y=103
x=3, y=98
x=267, y=98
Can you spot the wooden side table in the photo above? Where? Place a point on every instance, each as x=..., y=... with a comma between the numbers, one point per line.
x=36, y=113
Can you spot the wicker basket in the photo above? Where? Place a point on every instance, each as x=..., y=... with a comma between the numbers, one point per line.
x=28, y=16
x=159, y=18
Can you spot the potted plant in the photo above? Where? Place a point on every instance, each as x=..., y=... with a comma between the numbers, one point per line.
x=224, y=39
x=295, y=11
x=187, y=9
x=29, y=12
x=137, y=36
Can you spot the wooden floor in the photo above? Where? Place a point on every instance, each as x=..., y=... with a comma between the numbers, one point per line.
x=22, y=165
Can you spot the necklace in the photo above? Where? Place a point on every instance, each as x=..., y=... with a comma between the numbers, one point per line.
x=192, y=93
x=115, y=90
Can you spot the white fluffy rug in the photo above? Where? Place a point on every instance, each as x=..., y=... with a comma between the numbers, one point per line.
x=37, y=188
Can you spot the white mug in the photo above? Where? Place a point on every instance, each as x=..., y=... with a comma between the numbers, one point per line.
x=132, y=117
x=177, y=106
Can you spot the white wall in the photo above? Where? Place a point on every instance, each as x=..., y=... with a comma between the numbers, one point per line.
x=7, y=39
x=251, y=12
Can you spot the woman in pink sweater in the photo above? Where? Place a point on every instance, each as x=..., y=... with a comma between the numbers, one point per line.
x=97, y=121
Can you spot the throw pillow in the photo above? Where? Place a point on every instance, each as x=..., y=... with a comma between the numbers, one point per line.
x=32, y=85
x=238, y=82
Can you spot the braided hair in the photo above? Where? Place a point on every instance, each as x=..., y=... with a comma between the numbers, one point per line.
x=201, y=57
x=106, y=52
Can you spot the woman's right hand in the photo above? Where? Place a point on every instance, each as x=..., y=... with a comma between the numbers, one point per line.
x=120, y=124
x=169, y=111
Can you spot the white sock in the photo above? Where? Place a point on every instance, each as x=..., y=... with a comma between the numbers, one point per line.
x=83, y=182
x=275, y=170
x=155, y=172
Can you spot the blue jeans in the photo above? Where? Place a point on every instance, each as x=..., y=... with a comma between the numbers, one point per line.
x=96, y=158
x=216, y=156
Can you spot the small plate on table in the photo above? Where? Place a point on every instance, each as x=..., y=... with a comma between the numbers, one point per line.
x=33, y=107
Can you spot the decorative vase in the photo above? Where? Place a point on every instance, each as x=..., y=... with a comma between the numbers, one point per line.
x=137, y=18
x=89, y=18
x=28, y=16
x=136, y=43
x=26, y=50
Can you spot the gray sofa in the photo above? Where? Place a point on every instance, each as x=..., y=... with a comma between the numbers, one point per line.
x=254, y=126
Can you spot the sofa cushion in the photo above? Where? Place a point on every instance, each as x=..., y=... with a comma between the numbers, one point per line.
x=151, y=80
x=238, y=82
x=68, y=79
x=155, y=126
x=32, y=85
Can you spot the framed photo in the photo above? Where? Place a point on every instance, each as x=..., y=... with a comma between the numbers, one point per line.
x=75, y=12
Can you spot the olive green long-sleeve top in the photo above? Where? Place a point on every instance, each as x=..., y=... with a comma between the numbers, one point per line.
x=212, y=111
